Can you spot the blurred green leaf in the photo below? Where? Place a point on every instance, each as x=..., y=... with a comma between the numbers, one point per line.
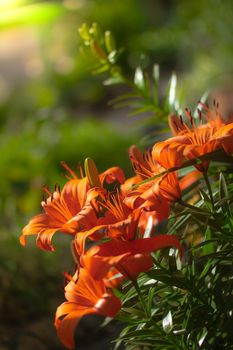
x=139, y=80
x=170, y=98
x=109, y=42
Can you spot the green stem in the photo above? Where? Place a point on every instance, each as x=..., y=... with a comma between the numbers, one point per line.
x=190, y=206
x=209, y=188
x=136, y=286
x=158, y=264
x=212, y=223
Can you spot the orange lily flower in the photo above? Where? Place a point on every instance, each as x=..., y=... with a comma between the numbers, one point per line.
x=128, y=257
x=190, y=143
x=69, y=210
x=143, y=164
x=120, y=220
x=84, y=296
x=113, y=279
x=146, y=167
x=225, y=136
x=151, y=203
x=126, y=189
x=168, y=186
x=189, y=179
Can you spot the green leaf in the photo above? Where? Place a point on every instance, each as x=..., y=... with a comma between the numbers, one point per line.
x=155, y=74
x=167, y=322
x=179, y=223
x=175, y=279
x=170, y=98
x=151, y=296
x=101, y=69
x=133, y=311
x=209, y=247
x=139, y=79
x=113, y=80
x=223, y=192
x=112, y=57
x=206, y=199
x=172, y=90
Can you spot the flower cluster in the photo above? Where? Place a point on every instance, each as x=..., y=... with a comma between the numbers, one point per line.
x=114, y=221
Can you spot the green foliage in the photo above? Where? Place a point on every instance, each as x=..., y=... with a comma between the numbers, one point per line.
x=143, y=96
x=193, y=38
x=189, y=302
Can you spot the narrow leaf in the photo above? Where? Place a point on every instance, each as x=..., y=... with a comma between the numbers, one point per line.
x=155, y=74
x=172, y=90
x=209, y=247
x=139, y=79
x=167, y=322
x=206, y=199
x=223, y=192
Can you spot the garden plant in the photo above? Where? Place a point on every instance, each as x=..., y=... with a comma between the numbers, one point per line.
x=155, y=250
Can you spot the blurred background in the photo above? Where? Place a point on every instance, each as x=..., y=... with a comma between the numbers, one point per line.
x=52, y=109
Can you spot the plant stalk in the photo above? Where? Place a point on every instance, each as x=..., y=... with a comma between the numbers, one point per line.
x=209, y=188
x=136, y=286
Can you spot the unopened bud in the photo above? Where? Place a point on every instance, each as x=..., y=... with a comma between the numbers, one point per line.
x=84, y=32
x=95, y=31
x=92, y=173
x=97, y=50
x=109, y=42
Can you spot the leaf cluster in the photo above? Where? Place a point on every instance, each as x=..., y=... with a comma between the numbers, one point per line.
x=189, y=303
x=144, y=91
